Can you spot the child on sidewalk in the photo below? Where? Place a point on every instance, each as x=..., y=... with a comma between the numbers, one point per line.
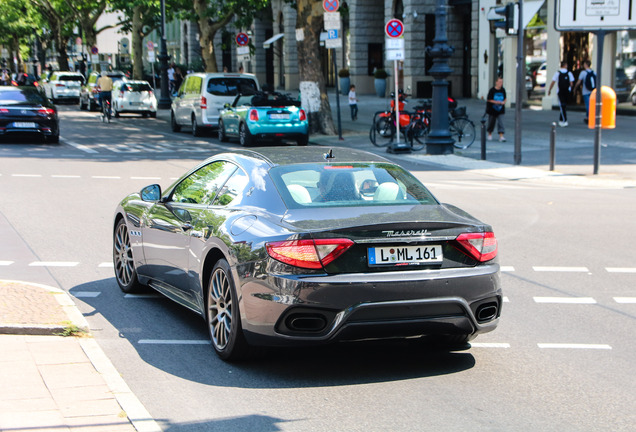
x=353, y=102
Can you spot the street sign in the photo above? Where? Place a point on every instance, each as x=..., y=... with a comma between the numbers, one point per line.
x=587, y=15
x=332, y=34
x=394, y=44
x=151, y=56
x=330, y=5
x=394, y=28
x=395, y=54
x=243, y=53
x=242, y=39
x=94, y=50
x=332, y=20
x=151, y=46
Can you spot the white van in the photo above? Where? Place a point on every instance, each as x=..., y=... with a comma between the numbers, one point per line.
x=202, y=96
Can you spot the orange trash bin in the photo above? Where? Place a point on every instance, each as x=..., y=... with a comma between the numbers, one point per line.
x=608, y=110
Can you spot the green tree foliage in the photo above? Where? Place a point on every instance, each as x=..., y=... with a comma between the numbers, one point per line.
x=86, y=13
x=214, y=15
x=17, y=21
x=60, y=20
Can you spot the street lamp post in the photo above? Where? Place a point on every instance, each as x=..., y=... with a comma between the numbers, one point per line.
x=164, y=101
x=439, y=141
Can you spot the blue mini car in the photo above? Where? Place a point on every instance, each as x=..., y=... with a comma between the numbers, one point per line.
x=263, y=117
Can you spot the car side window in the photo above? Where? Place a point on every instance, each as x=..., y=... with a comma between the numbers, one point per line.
x=232, y=188
x=201, y=186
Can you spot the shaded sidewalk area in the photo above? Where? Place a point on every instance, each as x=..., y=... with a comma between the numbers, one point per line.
x=53, y=375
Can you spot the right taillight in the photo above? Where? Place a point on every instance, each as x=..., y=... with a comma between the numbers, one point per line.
x=253, y=115
x=204, y=102
x=481, y=246
x=312, y=254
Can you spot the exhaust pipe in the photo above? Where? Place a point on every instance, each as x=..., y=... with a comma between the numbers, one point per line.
x=486, y=312
x=306, y=323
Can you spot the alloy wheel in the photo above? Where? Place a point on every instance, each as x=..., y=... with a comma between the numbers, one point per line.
x=123, y=257
x=220, y=309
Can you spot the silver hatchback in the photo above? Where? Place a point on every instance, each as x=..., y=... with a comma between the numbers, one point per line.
x=202, y=96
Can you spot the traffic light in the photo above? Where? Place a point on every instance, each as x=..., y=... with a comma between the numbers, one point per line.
x=506, y=15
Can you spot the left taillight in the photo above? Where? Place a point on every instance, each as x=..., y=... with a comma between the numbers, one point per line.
x=310, y=254
x=253, y=115
x=204, y=103
x=481, y=246
x=46, y=111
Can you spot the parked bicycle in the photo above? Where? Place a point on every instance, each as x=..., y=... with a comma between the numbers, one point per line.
x=461, y=128
x=383, y=129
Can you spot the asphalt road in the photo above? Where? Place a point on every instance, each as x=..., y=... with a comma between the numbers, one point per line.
x=562, y=358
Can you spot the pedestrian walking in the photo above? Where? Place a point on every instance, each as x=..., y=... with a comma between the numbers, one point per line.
x=564, y=80
x=587, y=81
x=353, y=102
x=171, y=78
x=496, y=108
x=5, y=79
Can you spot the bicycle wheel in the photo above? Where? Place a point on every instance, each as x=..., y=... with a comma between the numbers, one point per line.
x=382, y=131
x=463, y=132
x=416, y=134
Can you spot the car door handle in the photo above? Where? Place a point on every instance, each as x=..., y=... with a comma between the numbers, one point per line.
x=186, y=227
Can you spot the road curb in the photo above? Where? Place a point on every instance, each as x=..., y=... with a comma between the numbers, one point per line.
x=137, y=414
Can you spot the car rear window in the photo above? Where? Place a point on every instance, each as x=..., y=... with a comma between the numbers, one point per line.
x=71, y=78
x=356, y=184
x=229, y=86
x=137, y=87
x=11, y=97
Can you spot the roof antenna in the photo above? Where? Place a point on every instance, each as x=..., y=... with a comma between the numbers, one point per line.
x=329, y=155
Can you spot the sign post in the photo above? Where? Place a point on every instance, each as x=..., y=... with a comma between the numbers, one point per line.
x=596, y=17
x=394, y=30
x=332, y=27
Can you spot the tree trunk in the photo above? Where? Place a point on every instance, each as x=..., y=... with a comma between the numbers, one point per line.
x=15, y=47
x=312, y=83
x=137, y=44
x=207, y=31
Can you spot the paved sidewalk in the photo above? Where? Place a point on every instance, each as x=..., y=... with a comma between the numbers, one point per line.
x=58, y=383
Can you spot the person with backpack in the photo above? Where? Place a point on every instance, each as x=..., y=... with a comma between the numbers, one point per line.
x=565, y=80
x=587, y=81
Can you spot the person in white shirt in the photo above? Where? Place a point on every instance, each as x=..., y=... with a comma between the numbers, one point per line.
x=565, y=80
x=353, y=102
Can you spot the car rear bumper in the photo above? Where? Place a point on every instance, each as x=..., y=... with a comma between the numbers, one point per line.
x=321, y=309
x=42, y=129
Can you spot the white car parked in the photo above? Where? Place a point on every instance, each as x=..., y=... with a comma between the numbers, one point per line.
x=133, y=97
x=63, y=86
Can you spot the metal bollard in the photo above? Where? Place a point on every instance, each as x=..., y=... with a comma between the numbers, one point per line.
x=483, y=139
x=552, y=146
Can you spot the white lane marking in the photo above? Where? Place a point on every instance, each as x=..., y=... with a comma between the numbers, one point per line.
x=489, y=345
x=625, y=299
x=621, y=269
x=80, y=147
x=173, y=342
x=506, y=300
x=53, y=264
x=105, y=264
x=573, y=346
x=107, y=177
x=143, y=296
x=87, y=294
x=26, y=175
x=570, y=300
x=6, y=263
x=145, y=178
x=560, y=269
x=65, y=176
x=507, y=268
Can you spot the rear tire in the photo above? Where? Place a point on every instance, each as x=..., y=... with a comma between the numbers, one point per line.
x=245, y=137
x=173, y=123
x=222, y=136
x=223, y=316
x=196, y=130
x=303, y=141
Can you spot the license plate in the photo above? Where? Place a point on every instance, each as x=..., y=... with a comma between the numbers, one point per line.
x=402, y=255
x=24, y=124
x=279, y=116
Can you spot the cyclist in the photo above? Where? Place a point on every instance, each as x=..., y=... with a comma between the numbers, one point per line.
x=105, y=86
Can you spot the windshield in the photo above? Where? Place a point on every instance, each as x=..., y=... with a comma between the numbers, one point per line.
x=357, y=184
x=71, y=78
x=137, y=87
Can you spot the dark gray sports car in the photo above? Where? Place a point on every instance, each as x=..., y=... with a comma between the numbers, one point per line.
x=294, y=246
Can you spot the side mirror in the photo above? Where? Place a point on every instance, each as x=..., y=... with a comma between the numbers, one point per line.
x=227, y=106
x=151, y=193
